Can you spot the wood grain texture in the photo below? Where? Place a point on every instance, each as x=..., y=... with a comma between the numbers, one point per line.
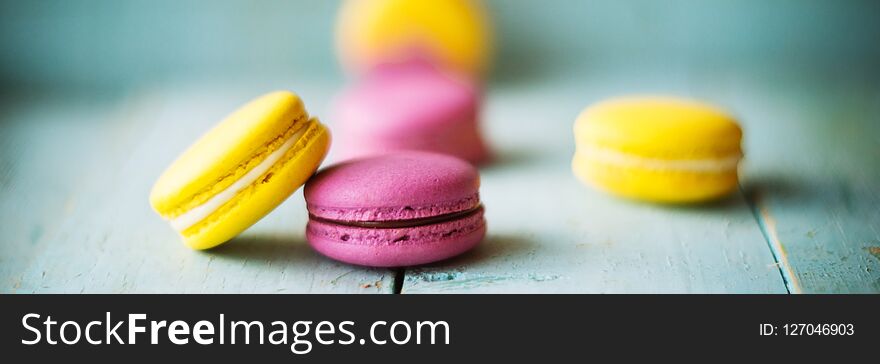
x=814, y=178
x=549, y=233
x=76, y=217
x=810, y=177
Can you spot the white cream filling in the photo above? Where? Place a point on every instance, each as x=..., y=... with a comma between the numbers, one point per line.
x=200, y=212
x=609, y=156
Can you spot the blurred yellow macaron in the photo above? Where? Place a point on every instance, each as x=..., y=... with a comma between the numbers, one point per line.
x=454, y=34
x=660, y=149
x=240, y=170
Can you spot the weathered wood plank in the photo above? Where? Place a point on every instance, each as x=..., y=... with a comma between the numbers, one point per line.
x=75, y=214
x=814, y=178
x=548, y=233
x=74, y=178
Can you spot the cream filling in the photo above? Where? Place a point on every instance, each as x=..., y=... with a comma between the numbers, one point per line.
x=200, y=212
x=609, y=156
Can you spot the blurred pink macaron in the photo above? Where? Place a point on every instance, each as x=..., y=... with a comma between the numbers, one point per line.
x=409, y=106
x=393, y=210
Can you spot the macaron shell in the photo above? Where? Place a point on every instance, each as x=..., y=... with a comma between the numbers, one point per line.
x=402, y=185
x=660, y=149
x=412, y=93
x=453, y=33
x=459, y=138
x=651, y=184
x=410, y=106
x=227, y=151
x=396, y=247
x=659, y=127
x=251, y=204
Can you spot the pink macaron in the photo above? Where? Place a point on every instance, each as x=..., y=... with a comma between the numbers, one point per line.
x=393, y=210
x=409, y=106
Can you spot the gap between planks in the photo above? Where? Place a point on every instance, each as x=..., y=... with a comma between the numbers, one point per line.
x=768, y=228
x=399, y=276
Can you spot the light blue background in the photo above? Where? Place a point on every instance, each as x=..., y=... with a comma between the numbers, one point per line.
x=97, y=44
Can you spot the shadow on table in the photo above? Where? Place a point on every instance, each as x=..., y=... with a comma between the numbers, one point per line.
x=493, y=247
x=514, y=159
x=507, y=158
x=729, y=202
x=266, y=248
x=780, y=187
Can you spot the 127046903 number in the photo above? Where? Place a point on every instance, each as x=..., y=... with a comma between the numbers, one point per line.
x=818, y=329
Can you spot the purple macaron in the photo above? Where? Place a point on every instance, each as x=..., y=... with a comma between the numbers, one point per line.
x=393, y=210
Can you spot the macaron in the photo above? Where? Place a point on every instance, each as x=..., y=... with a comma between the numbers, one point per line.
x=394, y=210
x=240, y=170
x=656, y=148
x=454, y=34
x=409, y=106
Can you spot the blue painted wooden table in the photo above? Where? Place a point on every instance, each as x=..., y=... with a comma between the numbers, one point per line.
x=75, y=174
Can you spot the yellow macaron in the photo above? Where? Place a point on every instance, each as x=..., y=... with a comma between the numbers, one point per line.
x=453, y=33
x=240, y=170
x=660, y=149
